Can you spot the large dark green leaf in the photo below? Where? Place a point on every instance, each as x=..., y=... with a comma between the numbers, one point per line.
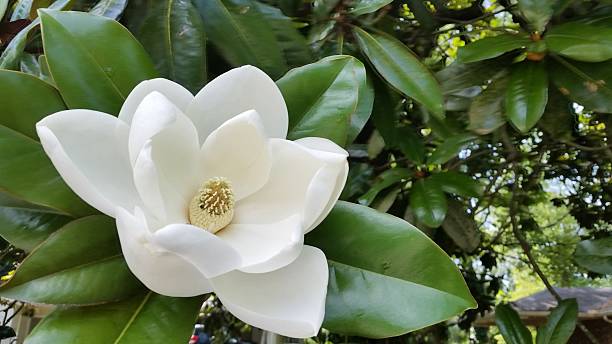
x=173, y=33
x=510, y=325
x=95, y=61
x=560, y=325
x=26, y=225
x=361, y=7
x=527, y=94
x=449, y=148
x=145, y=318
x=582, y=42
x=486, y=111
x=457, y=183
x=386, y=277
x=460, y=227
x=595, y=255
x=81, y=263
x=242, y=35
x=109, y=8
x=13, y=51
x=428, y=202
x=491, y=47
x=537, y=12
x=462, y=78
x=383, y=181
x=26, y=100
x=330, y=98
x=401, y=68
x=588, y=84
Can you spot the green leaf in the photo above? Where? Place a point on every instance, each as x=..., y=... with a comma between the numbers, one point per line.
x=449, y=148
x=463, y=78
x=145, y=318
x=588, y=84
x=3, y=6
x=330, y=98
x=510, y=325
x=401, y=68
x=428, y=202
x=372, y=291
x=461, y=227
x=537, y=12
x=595, y=255
x=81, y=263
x=383, y=181
x=558, y=119
x=13, y=51
x=241, y=34
x=361, y=7
x=26, y=225
x=582, y=42
x=491, y=47
x=95, y=61
x=457, y=183
x=109, y=8
x=19, y=112
x=410, y=143
x=526, y=95
x=21, y=10
x=560, y=325
x=486, y=111
x=173, y=33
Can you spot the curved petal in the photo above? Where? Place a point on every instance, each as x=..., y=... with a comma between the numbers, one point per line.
x=160, y=270
x=332, y=153
x=177, y=94
x=238, y=90
x=266, y=247
x=204, y=250
x=302, y=181
x=238, y=150
x=289, y=301
x=164, y=148
x=89, y=150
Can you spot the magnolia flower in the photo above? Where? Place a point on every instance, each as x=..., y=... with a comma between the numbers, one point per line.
x=208, y=195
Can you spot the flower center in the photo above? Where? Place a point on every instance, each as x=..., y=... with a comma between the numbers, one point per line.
x=212, y=208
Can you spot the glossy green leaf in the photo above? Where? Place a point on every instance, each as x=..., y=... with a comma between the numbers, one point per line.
x=410, y=143
x=384, y=180
x=595, y=255
x=242, y=36
x=558, y=119
x=491, y=47
x=582, y=42
x=21, y=10
x=527, y=94
x=461, y=227
x=486, y=112
x=387, y=278
x=12, y=52
x=3, y=7
x=537, y=12
x=29, y=65
x=330, y=98
x=81, y=263
x=449, y=148
x=27, y=173
x=457, y=183
x=589, y=84
x=145, y=318
x=464, y=78
x=95, y=61
x=361, y=7
x=510, y=325
x=428, y=202
x=109, y=8
x=560, y=324
x=26, y=225
x=401, y=68
x=19, y=112
x=173, y=33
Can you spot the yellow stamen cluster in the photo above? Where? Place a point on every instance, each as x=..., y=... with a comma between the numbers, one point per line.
x=212, y=208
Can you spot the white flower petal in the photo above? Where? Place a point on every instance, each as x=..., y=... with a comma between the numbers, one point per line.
x=163, y=272
x=236, y=91
x=289, y=301
x=176, y=93
x=266, y=247
x=207, y=252
x=238, y=150
x=302, y=181
x=89, y=150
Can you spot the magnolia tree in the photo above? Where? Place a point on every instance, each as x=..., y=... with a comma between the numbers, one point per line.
x=274, y=152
